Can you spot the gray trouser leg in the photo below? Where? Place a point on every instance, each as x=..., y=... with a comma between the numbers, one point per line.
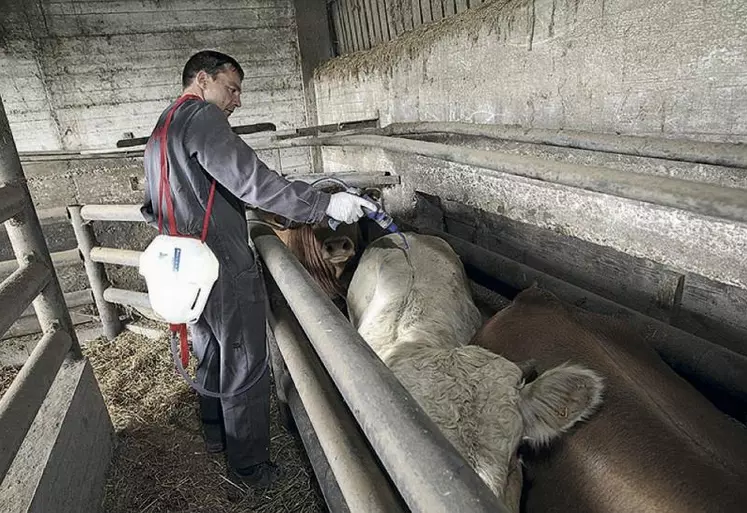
x=207, y=350
x=236, y=315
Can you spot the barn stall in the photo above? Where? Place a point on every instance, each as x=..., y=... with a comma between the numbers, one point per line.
x=596, y=150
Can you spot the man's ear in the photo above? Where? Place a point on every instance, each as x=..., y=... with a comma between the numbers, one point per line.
x=201, y=79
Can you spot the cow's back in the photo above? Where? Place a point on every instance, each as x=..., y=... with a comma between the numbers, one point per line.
x=655, y=445
x=413, y=306
x=419, y=292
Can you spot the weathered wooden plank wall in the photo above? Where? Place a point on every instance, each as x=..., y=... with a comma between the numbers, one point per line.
x=371, y=22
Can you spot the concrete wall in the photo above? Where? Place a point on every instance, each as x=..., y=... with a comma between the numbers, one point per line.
x=315, y=46
x=677, y=68
x=670, y=69
x=80, y=74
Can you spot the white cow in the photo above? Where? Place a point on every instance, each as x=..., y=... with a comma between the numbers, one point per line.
x=414, y=308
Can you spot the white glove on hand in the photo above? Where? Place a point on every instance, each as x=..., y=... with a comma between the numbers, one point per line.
x=348, y=208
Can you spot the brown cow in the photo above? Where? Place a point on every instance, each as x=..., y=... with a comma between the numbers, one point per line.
x=656, y=444
x=323, y=252
x=328, y=255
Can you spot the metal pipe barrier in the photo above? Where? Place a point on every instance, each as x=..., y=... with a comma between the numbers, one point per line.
x=126, y=257
x=362, y=483
x=27, y=323
x=693, y=357
x=131, y=213
x=110, y=323
x=19, y=290
x=11, y=201
x=94, y=256
x=60, y=260
x=30, y=326
x=127, y=298
x=34, y=281
x=21, y=402
x=699, y=152
x=700, y=198
x=429, y=473
x=319, y=462
x=74, y=299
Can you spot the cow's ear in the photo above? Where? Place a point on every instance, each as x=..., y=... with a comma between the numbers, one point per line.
x=558, y=399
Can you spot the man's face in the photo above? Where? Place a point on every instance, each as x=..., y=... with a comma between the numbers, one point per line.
x=224, y=90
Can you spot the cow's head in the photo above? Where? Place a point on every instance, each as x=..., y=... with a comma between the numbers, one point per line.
x=548, y=403
x=530, y=414
x=325, y=253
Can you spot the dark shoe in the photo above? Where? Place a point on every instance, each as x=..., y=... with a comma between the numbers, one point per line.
x=263, y=474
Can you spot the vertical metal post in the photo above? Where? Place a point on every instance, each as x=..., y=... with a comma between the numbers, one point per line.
x=110, y=322
x=27, y=239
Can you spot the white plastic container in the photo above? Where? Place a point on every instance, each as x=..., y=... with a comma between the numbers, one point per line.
x=180, y=273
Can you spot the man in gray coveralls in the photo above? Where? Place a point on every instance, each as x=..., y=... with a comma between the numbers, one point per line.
x=229, y=338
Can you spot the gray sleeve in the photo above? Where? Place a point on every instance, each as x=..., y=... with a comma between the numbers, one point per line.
x=147, y=210
x=235, y=165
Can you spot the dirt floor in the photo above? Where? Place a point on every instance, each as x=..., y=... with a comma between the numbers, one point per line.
x=159, y=463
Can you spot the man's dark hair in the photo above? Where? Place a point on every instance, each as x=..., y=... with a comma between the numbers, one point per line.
x=211, y=63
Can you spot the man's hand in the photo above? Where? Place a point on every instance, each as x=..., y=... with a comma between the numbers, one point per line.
x=348, y=208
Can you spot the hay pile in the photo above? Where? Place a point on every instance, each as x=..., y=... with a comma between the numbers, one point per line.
x=160, y=464
x=383, y=58
x=7, y=374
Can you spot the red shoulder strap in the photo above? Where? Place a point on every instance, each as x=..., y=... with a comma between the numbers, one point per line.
x=164, y=190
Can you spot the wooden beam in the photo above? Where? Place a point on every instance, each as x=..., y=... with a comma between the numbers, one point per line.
x=391, y=12
x=437, y=10
x=349, y=38
x=11, y=201
x=397, y=18
x=331, y=127
x=335, y=14
x=417, y=17
x=60, y=260
x=20, y=404
x=355, y=24
x=363, y=21
x=72, y=300
x=30, y=326
x=372, y=22
x=383, y=21
x=425, y=9
x=449, y=8
x=20, y=289
x=62, y=464
x=407, y=15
